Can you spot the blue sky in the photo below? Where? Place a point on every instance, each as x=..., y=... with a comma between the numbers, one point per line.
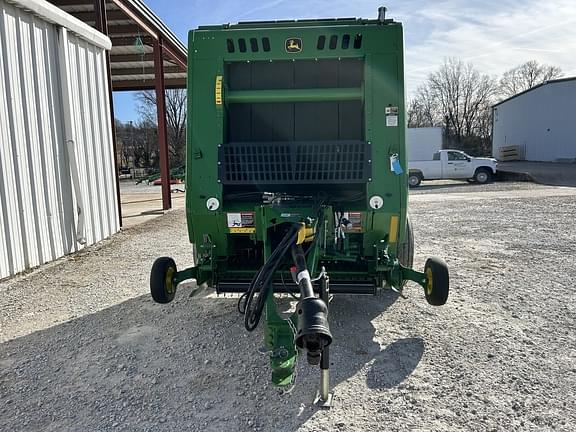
x=495, y=35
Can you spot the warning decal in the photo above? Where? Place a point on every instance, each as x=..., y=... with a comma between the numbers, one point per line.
x=241, y=223
x=391, y=116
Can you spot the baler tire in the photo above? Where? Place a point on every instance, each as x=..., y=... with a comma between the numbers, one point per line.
x=161, y=280
x=482, y=176
x=406, y=250
x=438, y=285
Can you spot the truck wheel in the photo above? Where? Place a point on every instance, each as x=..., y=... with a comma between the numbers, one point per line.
x=162, y=280
x=438, y=281
x=482, y=176
x=414, y=179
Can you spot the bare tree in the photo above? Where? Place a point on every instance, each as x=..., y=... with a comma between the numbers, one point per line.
x=526, y=76
x=424, y=110
x=457, y=97
x=483, y=128
x=175, y=119
x=137, y=144
x=462, y=94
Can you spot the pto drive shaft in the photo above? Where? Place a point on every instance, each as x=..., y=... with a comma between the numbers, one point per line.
x=313, y=330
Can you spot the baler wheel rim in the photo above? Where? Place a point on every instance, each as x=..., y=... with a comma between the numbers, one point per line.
x=170, y=279
x=430, y=282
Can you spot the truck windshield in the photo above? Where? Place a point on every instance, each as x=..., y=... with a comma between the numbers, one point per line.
x=436, y=156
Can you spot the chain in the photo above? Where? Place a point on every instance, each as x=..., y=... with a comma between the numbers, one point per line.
x=293, y=328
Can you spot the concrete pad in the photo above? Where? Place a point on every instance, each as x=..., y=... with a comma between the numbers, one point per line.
x=141, y=203
x=550, y=173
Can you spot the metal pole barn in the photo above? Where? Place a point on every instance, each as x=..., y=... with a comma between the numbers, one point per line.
x=124, y=22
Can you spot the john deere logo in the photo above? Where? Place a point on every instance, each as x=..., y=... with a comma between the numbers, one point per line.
x=293, y=45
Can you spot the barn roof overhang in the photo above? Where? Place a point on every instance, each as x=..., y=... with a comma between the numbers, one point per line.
x=134, y=31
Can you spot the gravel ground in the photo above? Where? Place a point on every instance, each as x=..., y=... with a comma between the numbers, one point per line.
x=457, y=186
x=84, y=348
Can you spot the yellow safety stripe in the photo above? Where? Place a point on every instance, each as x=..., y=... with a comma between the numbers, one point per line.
x=242, y=230
x=305, y=235
x=394, y=229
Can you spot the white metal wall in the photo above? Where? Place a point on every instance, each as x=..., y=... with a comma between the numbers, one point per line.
x=54, y=123
x=422, y=143
x=541, y=122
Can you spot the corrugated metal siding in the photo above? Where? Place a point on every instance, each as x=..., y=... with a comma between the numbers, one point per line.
x=38, y=206
x=540, y=122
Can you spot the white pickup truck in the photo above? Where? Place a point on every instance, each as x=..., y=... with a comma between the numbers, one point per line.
x=451, y=164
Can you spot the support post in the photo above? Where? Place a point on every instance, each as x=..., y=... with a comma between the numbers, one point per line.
x=102, y=27
x=162, y=131
x=324, y=397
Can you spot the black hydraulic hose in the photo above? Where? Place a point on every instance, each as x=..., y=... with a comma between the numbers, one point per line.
x=303, y=276
x=262, y=282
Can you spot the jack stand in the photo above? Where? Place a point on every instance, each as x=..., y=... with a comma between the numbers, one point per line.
x=324, y=397
x=397, y=291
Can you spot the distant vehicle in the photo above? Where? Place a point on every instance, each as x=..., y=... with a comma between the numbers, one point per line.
x=124, y=173
x=158, y=182
x=452, y=164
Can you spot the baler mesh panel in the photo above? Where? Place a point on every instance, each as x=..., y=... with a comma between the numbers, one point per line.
x=268, y=163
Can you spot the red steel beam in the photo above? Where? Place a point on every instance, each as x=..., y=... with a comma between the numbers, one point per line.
x=162, y=131
x=176, y=58
x=102, y=26
x=136, y=18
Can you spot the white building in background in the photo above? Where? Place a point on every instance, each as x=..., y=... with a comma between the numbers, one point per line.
x=538, y=124
x=422, y=143
x=57, y=179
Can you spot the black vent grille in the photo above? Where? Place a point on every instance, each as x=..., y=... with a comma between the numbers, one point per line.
x=271, y=163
